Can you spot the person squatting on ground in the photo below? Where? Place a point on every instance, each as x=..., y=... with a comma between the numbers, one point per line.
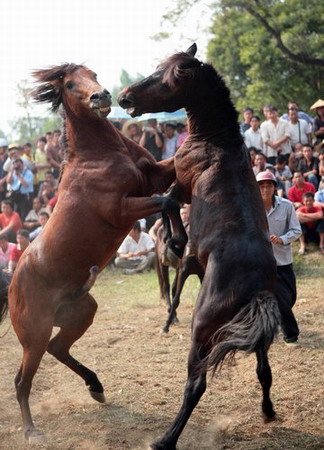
x=284, y=228
x=136, y=253
x=312, y=223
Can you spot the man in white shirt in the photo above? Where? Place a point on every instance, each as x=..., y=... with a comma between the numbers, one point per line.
x=170, y=141
x=276, y=136
x=252, y=136
x=136, y=253
x=298, y=129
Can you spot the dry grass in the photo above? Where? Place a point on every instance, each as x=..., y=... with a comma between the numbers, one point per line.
x=144, y=373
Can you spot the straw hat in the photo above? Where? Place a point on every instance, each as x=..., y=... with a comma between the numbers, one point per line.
x=318, y=104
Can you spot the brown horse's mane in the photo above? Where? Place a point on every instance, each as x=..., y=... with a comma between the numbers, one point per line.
x=47, y=92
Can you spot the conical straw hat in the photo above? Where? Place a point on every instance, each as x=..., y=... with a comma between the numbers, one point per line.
x=317, y=104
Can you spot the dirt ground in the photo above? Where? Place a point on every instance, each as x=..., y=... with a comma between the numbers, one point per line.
x=144, y=373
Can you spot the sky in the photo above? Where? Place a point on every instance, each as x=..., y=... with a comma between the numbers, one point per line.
x=105, y=35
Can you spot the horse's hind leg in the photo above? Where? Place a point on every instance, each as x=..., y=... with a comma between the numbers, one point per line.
x=34, y=347
x=265, y=378
x=74, y=320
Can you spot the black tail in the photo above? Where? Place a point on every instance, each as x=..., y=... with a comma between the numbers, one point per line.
x=254, y=327
x=4, y=284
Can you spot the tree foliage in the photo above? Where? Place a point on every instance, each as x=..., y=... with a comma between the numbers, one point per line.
x=269, y=51
x=28, y=127
x=125, y=80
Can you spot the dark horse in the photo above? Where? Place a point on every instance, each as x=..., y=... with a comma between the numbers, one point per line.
x=106, y=185
x=236, y=308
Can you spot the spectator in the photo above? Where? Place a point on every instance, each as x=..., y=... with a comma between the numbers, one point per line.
x=27, y=156
x=275, y=135
x=136, y=253
x=319, y=121
x=49, y=176
x=247, y=116
x=308, y=165
x=10, y=221
x=43, y=219
x=54, y=153
x=312, y=223
x=182, y=133
x=47, y=192
x=283, y=174
x=301, y=114
x=260, y=163
x=5, y=249
x=13, y=152
x=294, y=157
x=170, y=141
x=284, y=228
x=253, y=152
x=32, y=219
x=18, y=249
x=300, y=186
x=20, y=187
x=132, y=131
x=252, y=136
x=152, y=139
x=41, y=161
x=298, y=129
x=319, y=198
x=3, y=173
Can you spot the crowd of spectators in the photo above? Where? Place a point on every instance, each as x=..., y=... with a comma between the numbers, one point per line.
x=28, y=193
x=292, y=148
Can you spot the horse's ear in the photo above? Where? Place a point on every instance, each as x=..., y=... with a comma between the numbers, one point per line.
x=192, y=50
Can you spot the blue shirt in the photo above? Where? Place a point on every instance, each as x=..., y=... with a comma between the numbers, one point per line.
x=16, y=185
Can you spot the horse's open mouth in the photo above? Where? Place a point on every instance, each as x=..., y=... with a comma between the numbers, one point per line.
x=102, y=112
x=133, y=112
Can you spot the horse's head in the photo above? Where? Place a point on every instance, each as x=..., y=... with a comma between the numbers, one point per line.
x=167, y=89
x=75, y=87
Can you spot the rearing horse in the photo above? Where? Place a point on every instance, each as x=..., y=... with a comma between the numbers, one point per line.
x=106, y=185
x=236, y=308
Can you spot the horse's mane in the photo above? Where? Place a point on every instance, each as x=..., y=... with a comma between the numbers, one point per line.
x=48, y=90
x=182, y=66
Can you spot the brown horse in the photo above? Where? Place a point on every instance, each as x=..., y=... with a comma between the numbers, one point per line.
x=236, y=308
x=106, y=185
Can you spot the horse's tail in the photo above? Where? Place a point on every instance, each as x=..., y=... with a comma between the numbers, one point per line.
x=4, y=284
x=253, y=327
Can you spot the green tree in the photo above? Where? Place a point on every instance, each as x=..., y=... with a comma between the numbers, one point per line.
x=269, y=51
x=125, y=80
x=27, y=127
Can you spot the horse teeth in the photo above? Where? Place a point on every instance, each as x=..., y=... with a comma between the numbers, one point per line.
x=104, y=109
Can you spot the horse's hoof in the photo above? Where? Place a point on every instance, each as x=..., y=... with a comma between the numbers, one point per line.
x=175, y=320
x=164, y=330
x=35, y=437
x=98, y=396
x=267, y=419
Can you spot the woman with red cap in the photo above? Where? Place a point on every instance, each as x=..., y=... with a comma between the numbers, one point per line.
x=284, y=228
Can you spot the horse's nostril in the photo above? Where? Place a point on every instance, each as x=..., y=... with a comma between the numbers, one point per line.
x=125, y=102
x=94, y=97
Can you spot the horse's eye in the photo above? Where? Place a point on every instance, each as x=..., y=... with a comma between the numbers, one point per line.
x=69, y=84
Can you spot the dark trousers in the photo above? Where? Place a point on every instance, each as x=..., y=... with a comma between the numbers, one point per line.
x=286, y=293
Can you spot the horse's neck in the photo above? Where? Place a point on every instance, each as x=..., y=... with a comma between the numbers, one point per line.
x=210, y=121
x=89, y=134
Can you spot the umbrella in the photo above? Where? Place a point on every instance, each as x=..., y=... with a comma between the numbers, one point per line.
x=164, y=116
x=118, y=113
